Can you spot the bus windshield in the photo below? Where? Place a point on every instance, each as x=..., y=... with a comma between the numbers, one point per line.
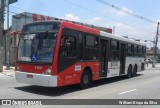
x=37, y=47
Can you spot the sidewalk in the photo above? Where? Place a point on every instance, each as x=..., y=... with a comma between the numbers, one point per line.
x=11, y=69
x=157, y=65
x=10, y=72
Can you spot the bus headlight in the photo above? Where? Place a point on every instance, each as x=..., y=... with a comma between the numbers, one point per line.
x=48, y=71
x=18, y=68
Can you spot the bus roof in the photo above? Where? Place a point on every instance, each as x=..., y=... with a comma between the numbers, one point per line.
x=105, y=34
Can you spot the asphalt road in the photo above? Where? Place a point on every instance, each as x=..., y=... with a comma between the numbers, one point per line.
x=145, y=86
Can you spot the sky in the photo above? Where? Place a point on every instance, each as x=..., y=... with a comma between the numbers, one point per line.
x=96, y=13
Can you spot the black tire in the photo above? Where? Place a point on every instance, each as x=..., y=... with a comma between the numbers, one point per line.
x=134, y=71
x=86, y=79
x=129, y=72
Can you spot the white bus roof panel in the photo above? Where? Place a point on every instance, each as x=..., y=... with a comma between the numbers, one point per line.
x=104, y=34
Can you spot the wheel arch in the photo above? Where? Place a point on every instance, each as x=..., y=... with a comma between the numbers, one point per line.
x=135, y=65
x=129, y=71
x=89, y=70
x=130, y=65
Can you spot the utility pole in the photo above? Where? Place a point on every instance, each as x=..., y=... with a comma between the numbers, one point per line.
x=1, y=21
x=8, y=2
x=8, y=38
x=155, y=46
x=1, y=33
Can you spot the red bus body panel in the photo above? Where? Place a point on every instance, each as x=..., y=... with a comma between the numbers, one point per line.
x=70, y=76
x=32, y=68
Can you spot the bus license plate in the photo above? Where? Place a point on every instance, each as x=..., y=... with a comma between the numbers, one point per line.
x=29, y=76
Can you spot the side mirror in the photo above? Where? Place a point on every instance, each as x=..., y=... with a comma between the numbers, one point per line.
x=68, y=44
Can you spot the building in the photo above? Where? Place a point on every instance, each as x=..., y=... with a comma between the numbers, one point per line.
x=149, y=53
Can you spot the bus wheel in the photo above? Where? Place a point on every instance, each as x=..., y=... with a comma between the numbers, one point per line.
x=129, y=72
x=85, y=79
x=135, y=71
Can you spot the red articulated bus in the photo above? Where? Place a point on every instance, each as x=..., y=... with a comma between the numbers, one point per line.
x=60, y=53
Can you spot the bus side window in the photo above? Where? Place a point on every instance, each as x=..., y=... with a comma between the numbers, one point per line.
x=135, y=49
x=129, y=49
x=114, y=46
x=91, y=47
x=68, y=46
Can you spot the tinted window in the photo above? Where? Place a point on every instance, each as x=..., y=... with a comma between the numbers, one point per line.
x=91, y=48
x=140, y=49
x=135, y=48
x=114, y=56
x=114, y=45
x=71, y=46
x=91, y=41
x=129, y=48
x=68, y=46
x=144, y=50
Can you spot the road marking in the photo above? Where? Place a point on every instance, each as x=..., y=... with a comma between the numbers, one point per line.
x=127, y=91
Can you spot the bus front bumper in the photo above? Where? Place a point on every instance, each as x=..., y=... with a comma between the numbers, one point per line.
x=36, y=79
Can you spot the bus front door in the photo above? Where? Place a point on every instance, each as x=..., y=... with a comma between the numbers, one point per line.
x=104, y=58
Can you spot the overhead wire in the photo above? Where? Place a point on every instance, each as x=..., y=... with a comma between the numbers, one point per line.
x=95, y=12
x=79, y=7
x=148, y=40
x=125, y=11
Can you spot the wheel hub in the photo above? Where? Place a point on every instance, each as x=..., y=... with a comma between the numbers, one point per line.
x=86, y=79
